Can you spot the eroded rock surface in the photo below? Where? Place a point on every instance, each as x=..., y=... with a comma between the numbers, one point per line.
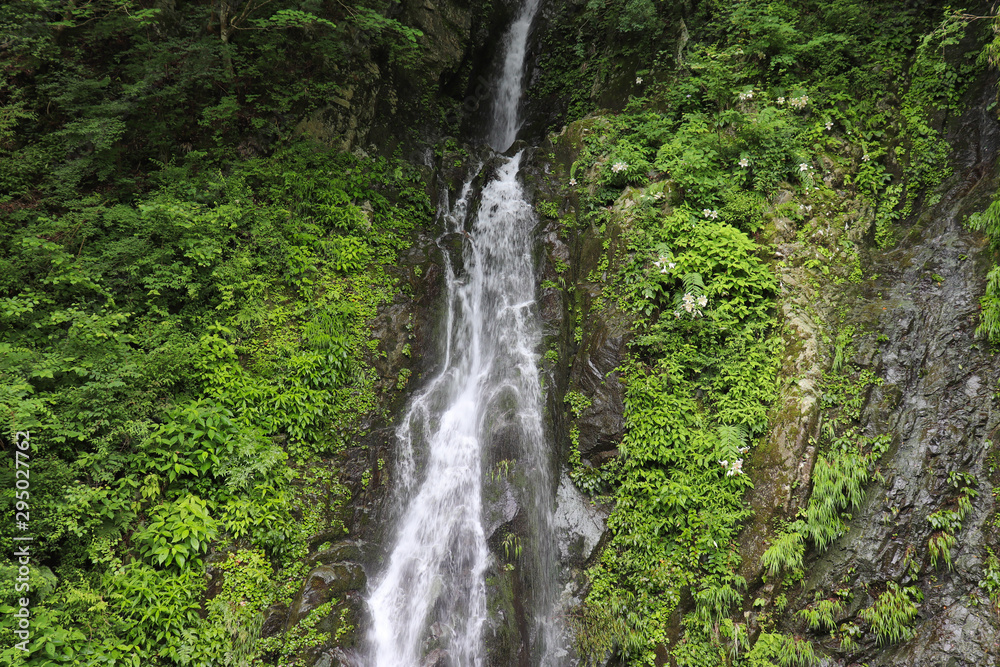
x=937, y=404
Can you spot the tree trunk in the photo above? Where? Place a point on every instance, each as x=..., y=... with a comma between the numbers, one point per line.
x=225, y=30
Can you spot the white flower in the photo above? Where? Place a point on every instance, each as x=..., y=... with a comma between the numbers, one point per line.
x=710, y=213
x=781, y=100
x=743, y=450
x=723, y=463
x=748, y=95
x=865, y=158
x=618, y=167
x=677, y=314
x=744, y=162
x=803, y=167
x=638, y=79
x=671, y=264
x=572, y=182
x=689, y=95
x=735, y=468
x=799, y=102
x=829, y=125
x=702, y=300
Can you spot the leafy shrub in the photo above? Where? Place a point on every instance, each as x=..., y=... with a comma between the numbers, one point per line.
x=769, y=141
x=627, y=164
x=177, y=532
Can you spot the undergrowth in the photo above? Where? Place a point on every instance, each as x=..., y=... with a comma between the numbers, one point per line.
x=745, y=115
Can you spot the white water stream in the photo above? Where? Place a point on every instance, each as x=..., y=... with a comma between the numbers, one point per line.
x=430, y=604
x=510, y=87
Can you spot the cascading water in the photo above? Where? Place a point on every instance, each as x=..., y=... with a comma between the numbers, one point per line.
x=507, y=102
x=432, y=597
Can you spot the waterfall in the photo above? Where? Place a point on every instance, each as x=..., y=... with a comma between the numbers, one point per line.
x=507, y=100
x=429, y=606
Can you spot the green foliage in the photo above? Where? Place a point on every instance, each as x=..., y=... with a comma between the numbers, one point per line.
x=948, y=522
x=168, y=354
x=991, y=578
x=177, y=532
x=988, y=222
x=748, y=101
x=838, y=483
x=785, y=553
x=779, y=650
x=822, y=614
x=627, y=164
x=891, y=617
x=705, y=302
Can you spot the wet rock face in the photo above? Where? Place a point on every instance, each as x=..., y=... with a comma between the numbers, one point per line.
x=937, y=403
x=324, y=583
x=579, y=524
x=602, y=424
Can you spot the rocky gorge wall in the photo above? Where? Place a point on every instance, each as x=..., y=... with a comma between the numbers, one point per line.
x=911, y=325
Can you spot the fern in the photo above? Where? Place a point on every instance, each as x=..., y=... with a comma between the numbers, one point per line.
x=713, y=601
x=940, y=546
x=693, y=284
x=822, y=615
x=837, y=484
x=773, y=648
x=988, y=222
x=784, y=554
x=893, y=613
x=733, y=440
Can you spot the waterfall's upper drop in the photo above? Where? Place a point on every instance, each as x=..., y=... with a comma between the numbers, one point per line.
x=506, y=119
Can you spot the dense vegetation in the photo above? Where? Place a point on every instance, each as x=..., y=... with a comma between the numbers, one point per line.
x=186, y=291
x=187, y=282
x=828, y=116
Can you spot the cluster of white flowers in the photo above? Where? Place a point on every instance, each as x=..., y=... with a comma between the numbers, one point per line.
x=638, y=79
x=618, y=167
x=692, y=305
x=744, y=97
x=805, y=209
x=799, y=102
x=803, y=166
x=572, y=182
x=829, y=125
x=734, y=468
x=710, y=213
x=744, y=162
x=664, y=264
